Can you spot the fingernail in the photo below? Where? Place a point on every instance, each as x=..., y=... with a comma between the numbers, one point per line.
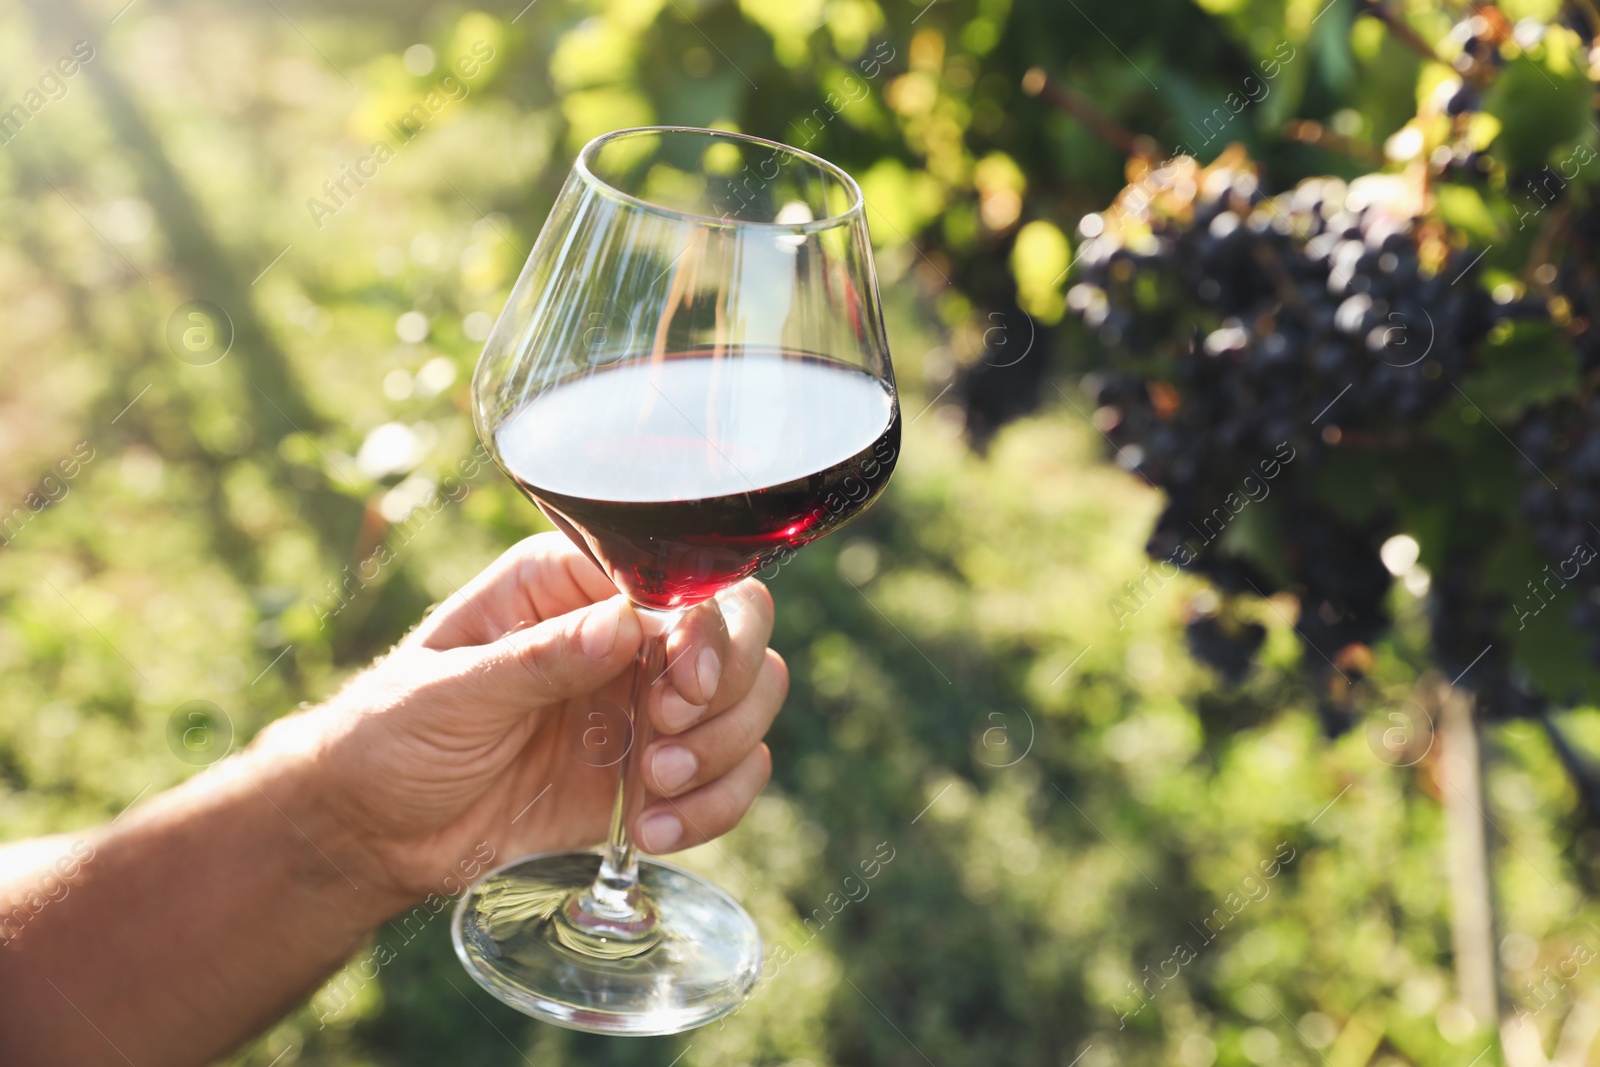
x=660, y=832
x=708, y=669
x=598, y=630
x=676, y=712
x=673, y=766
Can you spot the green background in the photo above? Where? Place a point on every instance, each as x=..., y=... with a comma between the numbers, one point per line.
x=1065, y=800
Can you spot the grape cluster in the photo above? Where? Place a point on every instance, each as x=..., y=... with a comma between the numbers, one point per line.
x=1560, y=446
x=1003, y=370
x=1228, y=646
x=1003, y=383
x=1578, y=18
x=1480, y=36
x=1255, y=334
x=1555, y=448
x=1572, y=281
x=1560, y=441
x=1480, y=59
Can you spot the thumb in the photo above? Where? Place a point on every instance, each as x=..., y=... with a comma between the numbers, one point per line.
x=560, y=658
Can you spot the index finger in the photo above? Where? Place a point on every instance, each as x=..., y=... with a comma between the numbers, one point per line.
x=538, y=578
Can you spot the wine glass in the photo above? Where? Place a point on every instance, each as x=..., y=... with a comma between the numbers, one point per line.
x=690, y=379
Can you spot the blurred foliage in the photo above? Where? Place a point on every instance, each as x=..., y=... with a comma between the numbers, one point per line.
x=1065, y=799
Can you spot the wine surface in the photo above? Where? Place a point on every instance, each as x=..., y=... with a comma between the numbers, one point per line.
x=683, y=475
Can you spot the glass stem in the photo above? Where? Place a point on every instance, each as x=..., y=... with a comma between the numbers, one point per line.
x=616, y=894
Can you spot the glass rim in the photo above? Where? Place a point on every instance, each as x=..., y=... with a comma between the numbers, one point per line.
x=581, y=166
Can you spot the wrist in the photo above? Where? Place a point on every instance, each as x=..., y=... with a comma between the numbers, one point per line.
x=286, y=766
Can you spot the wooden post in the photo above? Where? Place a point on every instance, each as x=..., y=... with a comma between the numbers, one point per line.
x=1472, y=925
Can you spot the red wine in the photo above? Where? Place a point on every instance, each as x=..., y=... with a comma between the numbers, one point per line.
x=682, y=475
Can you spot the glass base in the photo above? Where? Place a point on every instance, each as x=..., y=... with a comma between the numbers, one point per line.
x=520, y=934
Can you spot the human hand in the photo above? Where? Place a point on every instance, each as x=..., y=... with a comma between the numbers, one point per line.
x=473, y=729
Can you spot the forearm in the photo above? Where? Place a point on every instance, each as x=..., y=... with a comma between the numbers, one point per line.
x=196, y=920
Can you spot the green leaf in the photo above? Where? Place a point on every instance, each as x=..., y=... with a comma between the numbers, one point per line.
x=1537, y=625
x=1463, y=207
x=1540, y=102
x=1532, y=364
x=1345, y=480
x=1332, y=49
x=1256, y=534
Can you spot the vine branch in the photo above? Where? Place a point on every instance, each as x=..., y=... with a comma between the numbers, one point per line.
x=1065, y=98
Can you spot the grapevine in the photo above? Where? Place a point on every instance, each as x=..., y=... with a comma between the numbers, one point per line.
x=1267, y=331
x=1255, y=343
